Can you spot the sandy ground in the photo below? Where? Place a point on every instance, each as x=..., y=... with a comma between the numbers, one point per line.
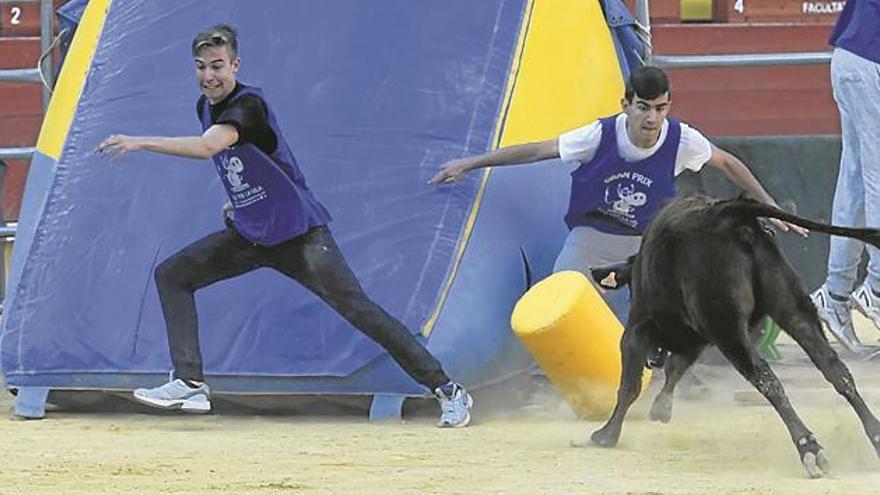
x=724, y=443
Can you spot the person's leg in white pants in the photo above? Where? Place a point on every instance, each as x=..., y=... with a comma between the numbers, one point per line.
x=856, y=84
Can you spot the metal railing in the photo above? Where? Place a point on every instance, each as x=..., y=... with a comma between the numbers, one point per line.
x=702, y=61
x=743, y=60
x=16, y=153
x=20, y=75
x=43, y=72
x=8, y=230
x=44, y=64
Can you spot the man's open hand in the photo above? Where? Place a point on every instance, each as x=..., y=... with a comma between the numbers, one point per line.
x=117, y=145
x=451, y=171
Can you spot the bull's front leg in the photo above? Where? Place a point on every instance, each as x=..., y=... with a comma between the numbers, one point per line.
x=633, y=352
x=676, y=365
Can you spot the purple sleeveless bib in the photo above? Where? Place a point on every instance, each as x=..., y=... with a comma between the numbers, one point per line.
x=272, y=202
x=619, y=197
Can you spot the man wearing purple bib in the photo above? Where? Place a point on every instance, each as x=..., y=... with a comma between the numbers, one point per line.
x=273, y=220
x=624, y=169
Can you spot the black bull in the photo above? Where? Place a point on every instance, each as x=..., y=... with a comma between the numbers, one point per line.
x=706, y=273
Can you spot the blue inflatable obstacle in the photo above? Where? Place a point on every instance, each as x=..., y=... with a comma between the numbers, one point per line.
x=373, y=96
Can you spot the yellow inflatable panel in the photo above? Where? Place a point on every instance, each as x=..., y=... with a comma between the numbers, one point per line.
x=572, y=334
x=568, y=73
x=565, y=74
x=65, y=98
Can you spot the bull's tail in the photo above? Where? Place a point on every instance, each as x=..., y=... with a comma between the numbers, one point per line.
x=750, y=208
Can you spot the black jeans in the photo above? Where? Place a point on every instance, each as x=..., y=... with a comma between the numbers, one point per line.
x=312, y=259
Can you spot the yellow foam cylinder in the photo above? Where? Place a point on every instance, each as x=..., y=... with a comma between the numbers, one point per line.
x=575, y=338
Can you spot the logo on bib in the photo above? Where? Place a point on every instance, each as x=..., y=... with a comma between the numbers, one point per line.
x=234, y=167
x=627, y=199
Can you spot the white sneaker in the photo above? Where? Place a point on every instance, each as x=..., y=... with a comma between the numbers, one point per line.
x=176, y=395
x=455, y=405
x=867, y=303
x=837, y=316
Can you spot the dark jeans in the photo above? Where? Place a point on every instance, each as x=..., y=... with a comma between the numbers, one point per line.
x=312, y=259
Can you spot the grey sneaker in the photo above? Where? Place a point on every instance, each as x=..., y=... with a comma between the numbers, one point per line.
x=455, y=405
x=176, y=395
x=837, y=315
x=867, y=303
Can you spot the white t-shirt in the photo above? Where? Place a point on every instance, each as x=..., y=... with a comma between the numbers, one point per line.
x=579, y=145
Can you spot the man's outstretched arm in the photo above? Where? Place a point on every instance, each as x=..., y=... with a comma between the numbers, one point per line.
x=738, y=173
x=511, y=155
x=214, y=140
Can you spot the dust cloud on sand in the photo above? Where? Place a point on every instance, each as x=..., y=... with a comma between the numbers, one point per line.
x=726, y=441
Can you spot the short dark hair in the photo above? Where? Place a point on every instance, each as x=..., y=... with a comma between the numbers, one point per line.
x=217, y=35
x=648, y=82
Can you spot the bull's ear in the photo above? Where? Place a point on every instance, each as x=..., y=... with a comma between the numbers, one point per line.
x=609, y=281
x=606, y=277
x=613, y=276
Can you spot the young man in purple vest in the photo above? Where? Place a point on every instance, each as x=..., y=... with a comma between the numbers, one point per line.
x=855, y=77
x=273, y=220
x=624, y=167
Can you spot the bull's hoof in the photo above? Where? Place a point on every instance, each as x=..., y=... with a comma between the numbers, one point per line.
x=604, y=438
x=813, y=457
x=817, y=465
x=661, y=409
x=592, y=442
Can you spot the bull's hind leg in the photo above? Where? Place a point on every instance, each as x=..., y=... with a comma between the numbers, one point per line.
x=633, y=352
x=804, y=327
x=756, y=370
x=676, y=365
x=790, y=306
